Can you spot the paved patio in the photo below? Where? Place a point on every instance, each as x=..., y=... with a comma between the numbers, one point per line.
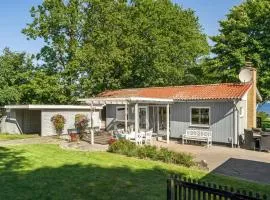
x=241, y=163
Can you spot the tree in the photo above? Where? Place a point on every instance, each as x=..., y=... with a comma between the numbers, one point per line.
x=97, y=45
x=42, y=88
x=22, y=82
x=13, y=67
x=244, y=36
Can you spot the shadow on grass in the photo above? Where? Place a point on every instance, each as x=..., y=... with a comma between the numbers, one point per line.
x=77, y=181
x=84, y=182
x=81, y=181
x=11, y=160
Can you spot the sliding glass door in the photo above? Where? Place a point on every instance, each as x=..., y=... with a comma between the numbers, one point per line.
x=158, y=119
x=143, y=118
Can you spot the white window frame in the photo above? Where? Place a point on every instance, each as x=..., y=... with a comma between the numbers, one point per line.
x=200, y=107
x=116, y=110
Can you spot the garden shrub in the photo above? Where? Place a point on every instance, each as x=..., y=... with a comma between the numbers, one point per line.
x=129, y=148
x=147, y=151
x=81, y=122
x=58, y=121
x=183, y=159
x=124, y=147
x=165, y=155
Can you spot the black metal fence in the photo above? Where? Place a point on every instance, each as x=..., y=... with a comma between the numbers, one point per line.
x=187, y=189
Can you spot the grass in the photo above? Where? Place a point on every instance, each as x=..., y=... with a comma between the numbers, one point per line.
x=48, y=172
x=6, y=136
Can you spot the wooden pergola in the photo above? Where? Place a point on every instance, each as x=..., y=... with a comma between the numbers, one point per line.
x=136, y=101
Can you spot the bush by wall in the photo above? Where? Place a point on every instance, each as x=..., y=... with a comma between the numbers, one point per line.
x=58, y=121
x=81, y=122
x=129, y=148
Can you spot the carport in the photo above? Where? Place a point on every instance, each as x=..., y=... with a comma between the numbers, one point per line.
x=25, y=119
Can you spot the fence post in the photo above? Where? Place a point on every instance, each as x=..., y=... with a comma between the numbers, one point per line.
x=170, y=184
x=179, y=188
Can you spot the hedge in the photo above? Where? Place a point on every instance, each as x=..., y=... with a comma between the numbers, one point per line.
x=129, y=148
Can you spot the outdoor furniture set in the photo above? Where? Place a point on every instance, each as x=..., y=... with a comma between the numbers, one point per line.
x=255, y=138
x=143, y=137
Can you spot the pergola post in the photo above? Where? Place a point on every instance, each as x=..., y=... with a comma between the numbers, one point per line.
x=126, y=117
x=91, y=124
x=168, y=122
x=136, y=118
x=157, y=119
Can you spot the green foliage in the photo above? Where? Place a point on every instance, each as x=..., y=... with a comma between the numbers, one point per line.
x=264, y=116
x=244, y=36
x=81, y=122
x=98, y=45
x=129, y=148
x=23, y=82
x=42, y=88
x=13, y=69
x=124, y=147
x=58, y=121
x=148, y=151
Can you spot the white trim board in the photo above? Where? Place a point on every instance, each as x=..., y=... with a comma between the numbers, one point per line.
x=52, y=107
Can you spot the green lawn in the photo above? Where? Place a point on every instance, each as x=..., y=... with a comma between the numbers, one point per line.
x=4, y=136
x=48, y=172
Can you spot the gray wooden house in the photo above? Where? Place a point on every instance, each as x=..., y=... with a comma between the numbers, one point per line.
x=226, y=109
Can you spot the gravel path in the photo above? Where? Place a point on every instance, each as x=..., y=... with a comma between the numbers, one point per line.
x=37, y=140
x=63, y=143
x=82, y=146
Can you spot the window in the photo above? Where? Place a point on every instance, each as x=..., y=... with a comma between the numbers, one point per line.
x=200, y=116
x=120, y=113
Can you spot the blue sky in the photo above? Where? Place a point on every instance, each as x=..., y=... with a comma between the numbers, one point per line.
x=14, y=14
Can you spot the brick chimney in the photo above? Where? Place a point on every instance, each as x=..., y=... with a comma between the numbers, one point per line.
x=252, y=97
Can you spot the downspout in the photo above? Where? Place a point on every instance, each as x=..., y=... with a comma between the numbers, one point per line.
x=232, y=136
x=236, y=125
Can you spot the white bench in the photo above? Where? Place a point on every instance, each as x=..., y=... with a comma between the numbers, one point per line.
x=198, y=135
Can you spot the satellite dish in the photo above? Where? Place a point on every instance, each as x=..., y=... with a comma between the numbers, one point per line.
x=245, y=75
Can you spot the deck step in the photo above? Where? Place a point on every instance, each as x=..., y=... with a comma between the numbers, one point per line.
x=98, y=139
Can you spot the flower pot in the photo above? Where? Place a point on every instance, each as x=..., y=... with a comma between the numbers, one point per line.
x=73, y=137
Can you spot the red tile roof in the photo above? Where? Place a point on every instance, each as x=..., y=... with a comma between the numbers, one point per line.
x=187, y=92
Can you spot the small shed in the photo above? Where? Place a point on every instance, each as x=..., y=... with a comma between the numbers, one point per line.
x=23, y=119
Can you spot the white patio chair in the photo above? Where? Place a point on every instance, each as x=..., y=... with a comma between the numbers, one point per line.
x=131, y=136
x=138, y=138
x=148, y=137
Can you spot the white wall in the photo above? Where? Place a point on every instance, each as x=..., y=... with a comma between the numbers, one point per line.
x=47, y=127
x=243, y=117
x=8, y=124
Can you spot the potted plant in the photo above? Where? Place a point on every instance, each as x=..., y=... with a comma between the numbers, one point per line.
x=58, y=121
x=81, y=123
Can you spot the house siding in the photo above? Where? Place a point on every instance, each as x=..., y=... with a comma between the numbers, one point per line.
x=221, y=119
x=111, y=114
